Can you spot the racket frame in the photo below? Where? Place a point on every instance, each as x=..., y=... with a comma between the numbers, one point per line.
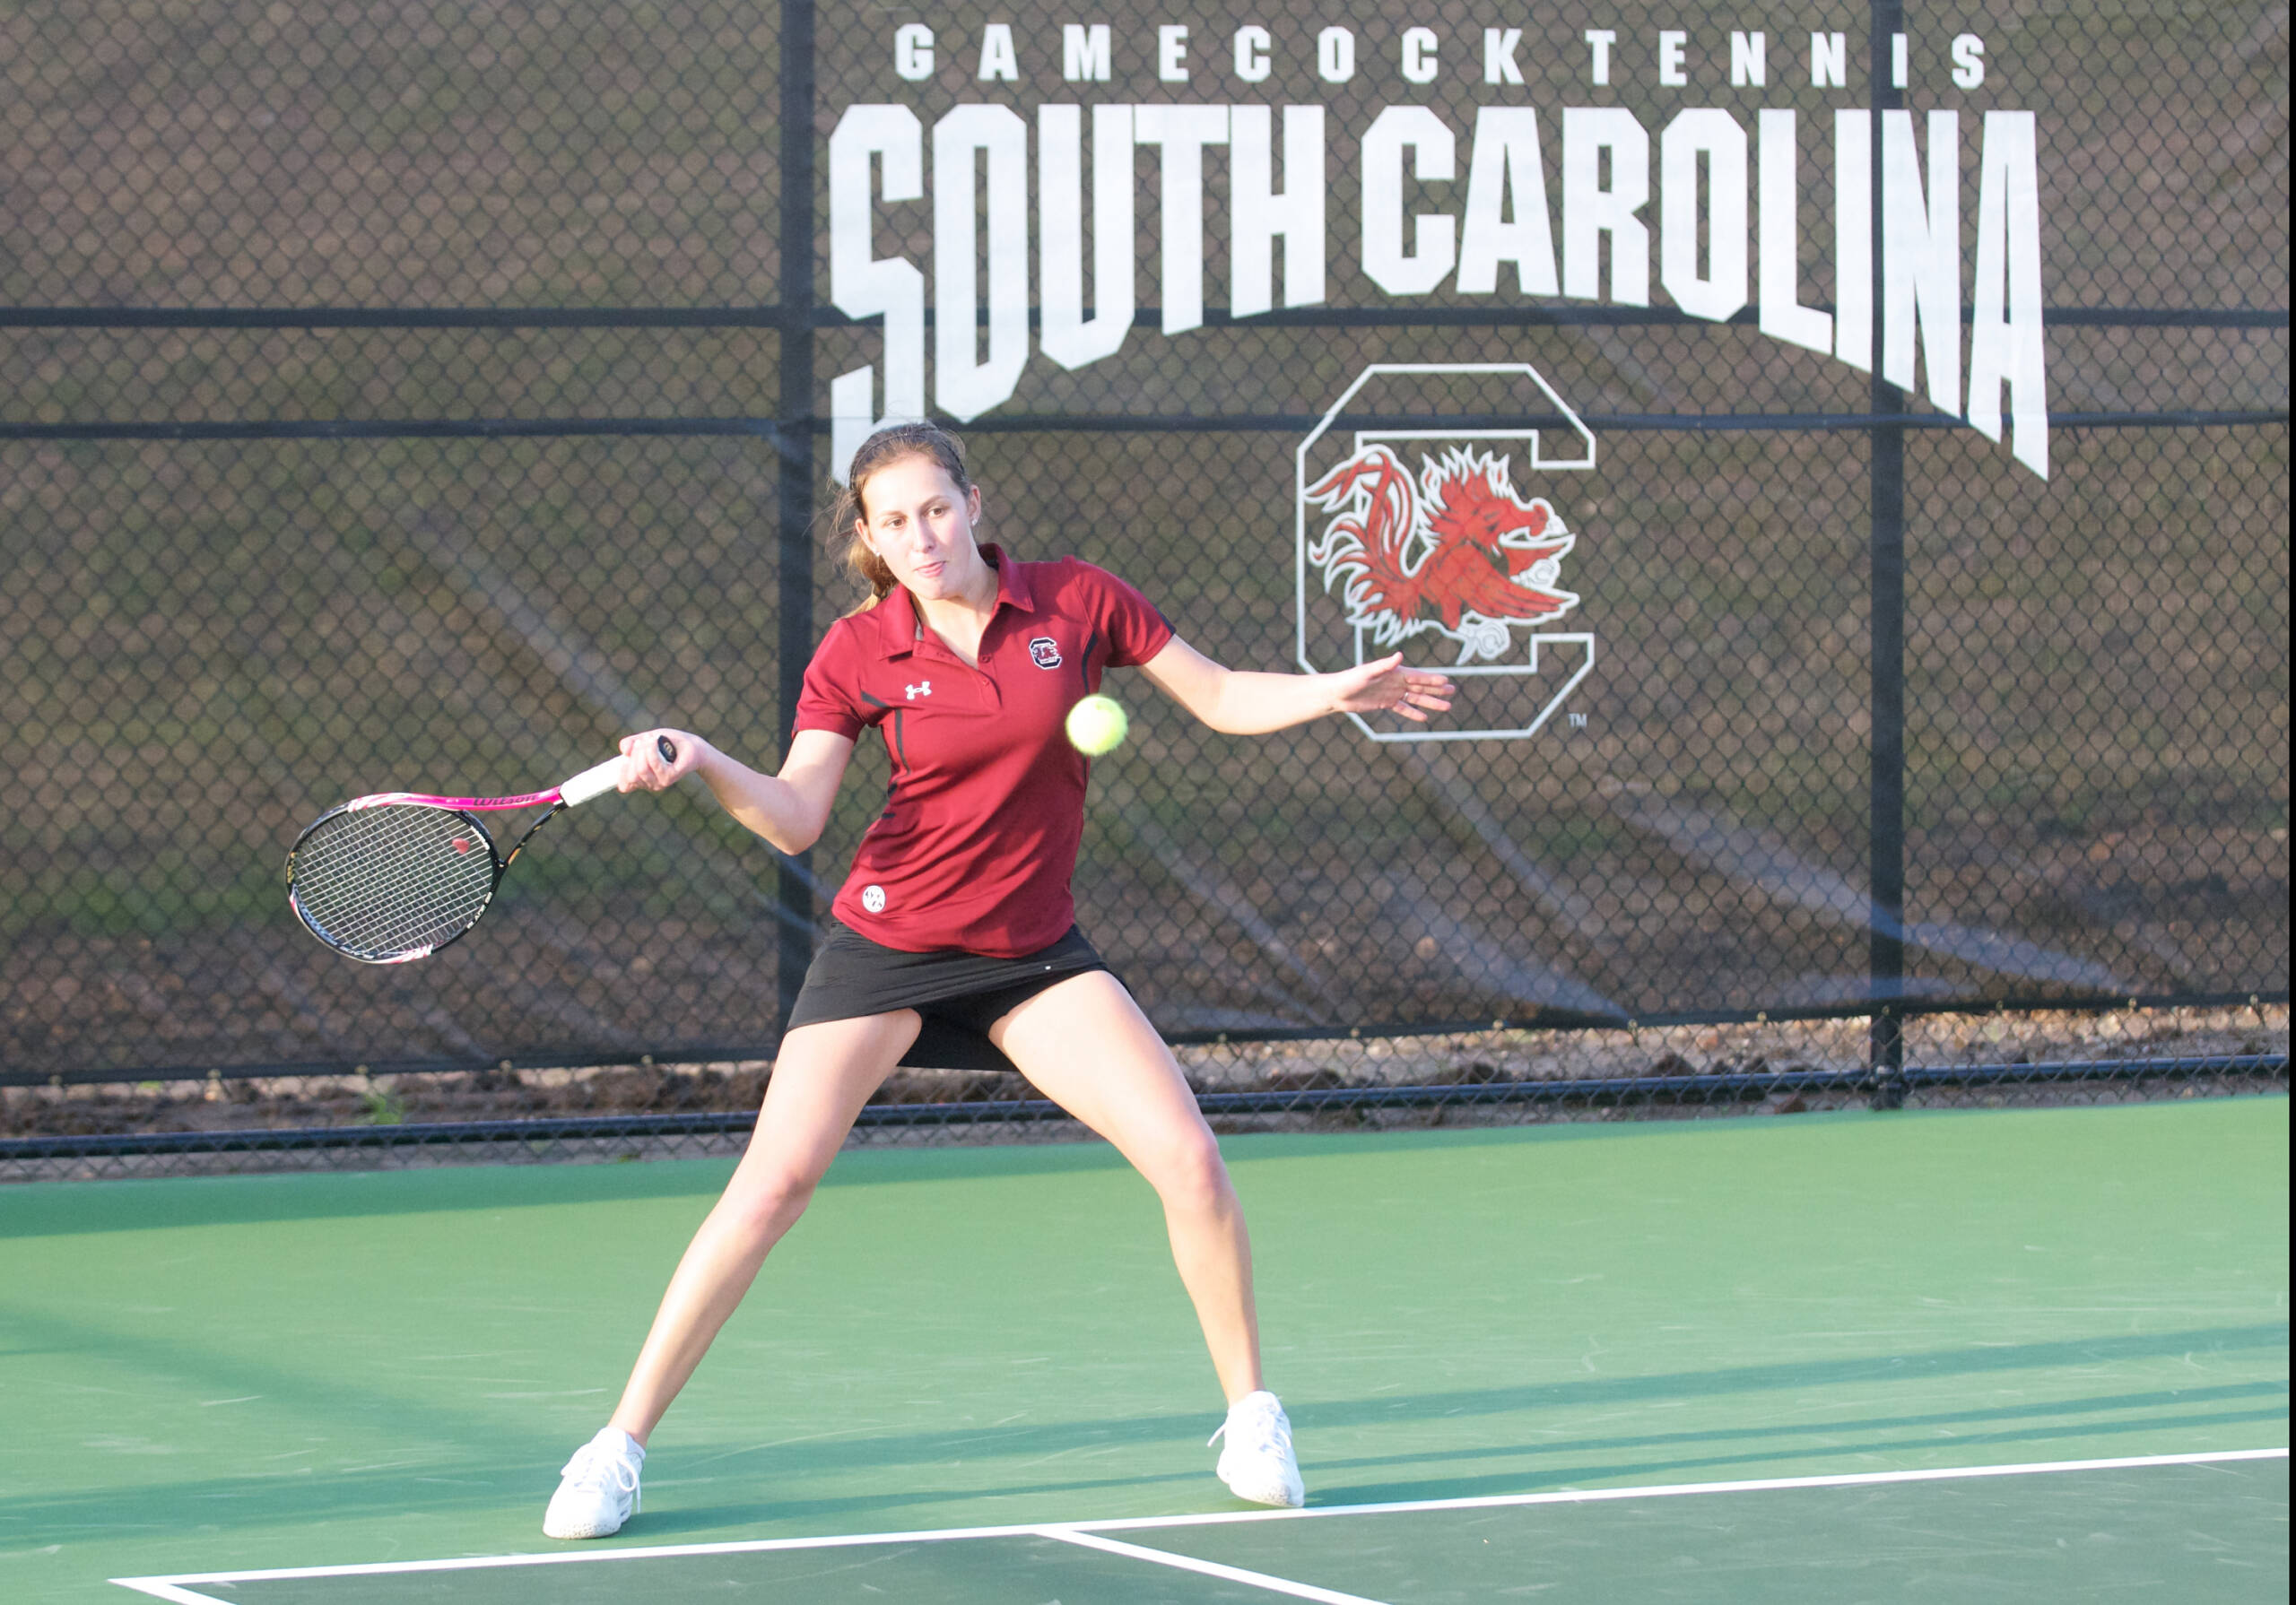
x=461, y=808
x=590, y=783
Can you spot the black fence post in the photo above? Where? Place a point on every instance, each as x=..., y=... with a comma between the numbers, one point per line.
x=794, y=631
x=1885, y=829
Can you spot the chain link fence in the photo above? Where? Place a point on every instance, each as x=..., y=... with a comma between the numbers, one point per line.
x=423, y=395
x=219, y=1124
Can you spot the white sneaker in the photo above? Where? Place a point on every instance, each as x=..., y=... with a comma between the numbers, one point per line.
x=600, y=1490
x=1259, y=1464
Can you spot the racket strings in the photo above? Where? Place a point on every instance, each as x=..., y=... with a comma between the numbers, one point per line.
x=392, y=879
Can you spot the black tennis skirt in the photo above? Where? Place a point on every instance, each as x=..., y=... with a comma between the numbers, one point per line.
x=960, y=994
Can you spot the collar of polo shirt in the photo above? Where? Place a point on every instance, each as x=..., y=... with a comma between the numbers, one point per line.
x=902, y=625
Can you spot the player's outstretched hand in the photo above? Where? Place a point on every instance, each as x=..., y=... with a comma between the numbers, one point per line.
x=645, y=769
x=1385, y=685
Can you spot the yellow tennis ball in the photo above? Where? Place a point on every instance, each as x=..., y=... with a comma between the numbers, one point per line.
x=1095, y=725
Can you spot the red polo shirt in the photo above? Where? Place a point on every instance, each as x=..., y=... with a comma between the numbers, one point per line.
x=977, y=842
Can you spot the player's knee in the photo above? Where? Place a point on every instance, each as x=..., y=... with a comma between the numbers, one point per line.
x=772, y=1201
x=1192, y=1175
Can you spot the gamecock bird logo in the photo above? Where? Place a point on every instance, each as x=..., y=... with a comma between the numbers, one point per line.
x=1454, y=551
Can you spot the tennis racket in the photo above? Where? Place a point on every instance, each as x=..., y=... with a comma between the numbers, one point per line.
x=399, y=875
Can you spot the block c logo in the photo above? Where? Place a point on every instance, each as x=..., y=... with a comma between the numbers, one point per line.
x=1418, y=536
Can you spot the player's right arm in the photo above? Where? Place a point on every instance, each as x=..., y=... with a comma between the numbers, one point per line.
x=788, y=809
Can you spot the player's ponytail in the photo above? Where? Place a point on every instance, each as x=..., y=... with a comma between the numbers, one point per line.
x=888, y=446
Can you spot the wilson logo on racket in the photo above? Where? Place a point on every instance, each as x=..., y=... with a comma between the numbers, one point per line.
x=1454, y=551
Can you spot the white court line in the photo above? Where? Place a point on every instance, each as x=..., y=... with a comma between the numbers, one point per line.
x=1209, y=1568
x=170, y=1587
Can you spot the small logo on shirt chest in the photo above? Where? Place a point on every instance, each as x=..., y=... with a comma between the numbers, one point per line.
x=923, y=687
x=1044, y=652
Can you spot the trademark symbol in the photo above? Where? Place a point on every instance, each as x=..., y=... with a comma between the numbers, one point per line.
x=1578, y=721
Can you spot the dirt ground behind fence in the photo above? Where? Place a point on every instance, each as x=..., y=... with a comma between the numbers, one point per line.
x=1477, y=1067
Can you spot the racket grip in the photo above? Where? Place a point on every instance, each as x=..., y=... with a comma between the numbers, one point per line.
x=591, y=783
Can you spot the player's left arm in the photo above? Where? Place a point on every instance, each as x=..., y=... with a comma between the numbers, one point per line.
x=1241, y=702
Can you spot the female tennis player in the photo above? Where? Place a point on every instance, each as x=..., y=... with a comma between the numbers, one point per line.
x=958, y=907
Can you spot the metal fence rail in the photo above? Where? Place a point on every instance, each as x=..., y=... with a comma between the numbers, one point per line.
x=1617, y=1094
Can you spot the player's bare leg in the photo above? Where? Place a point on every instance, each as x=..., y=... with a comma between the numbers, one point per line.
x=823, y=1075
x=1087, y=1046
x=825, y=1072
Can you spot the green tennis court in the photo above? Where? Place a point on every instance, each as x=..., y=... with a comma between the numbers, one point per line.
x=970, y=1375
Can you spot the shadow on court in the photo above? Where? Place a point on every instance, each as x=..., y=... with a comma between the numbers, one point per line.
x=437, y=1473
x=85, y=1207
x=2215, y=1531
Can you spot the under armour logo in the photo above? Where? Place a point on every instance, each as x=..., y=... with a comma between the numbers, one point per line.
x=922, y=689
